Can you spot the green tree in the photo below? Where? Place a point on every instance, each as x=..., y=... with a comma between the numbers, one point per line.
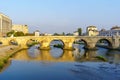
x=10, y=33
x=19, y=33
x=63, y=33
x=80, y=31
x=56, y=34
x=69, y=34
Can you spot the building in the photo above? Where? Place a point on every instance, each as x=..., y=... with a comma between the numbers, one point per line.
x=76, y=33
x=115, y=28
x=37, y=33
x=113, y=31
x=92, y=31
x=47, y=34
x=5, y=25
x=23, y=28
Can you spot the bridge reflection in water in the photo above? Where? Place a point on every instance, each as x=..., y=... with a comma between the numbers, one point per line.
x=58, y=64
x=59, y=55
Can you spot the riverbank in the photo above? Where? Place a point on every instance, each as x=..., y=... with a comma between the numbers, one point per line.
x=6, y=52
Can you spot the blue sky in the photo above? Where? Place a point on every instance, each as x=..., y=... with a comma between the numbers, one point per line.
x=62, y=15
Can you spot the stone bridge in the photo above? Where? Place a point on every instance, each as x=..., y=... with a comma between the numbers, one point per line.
x=68, y=41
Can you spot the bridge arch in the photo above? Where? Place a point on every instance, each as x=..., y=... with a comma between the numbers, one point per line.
x=30, y=42
x=85, y=42
x=13, y=42
x=57, y=42
x=81, y=41
x=104, y=42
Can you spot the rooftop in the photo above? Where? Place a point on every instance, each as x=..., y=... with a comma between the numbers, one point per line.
x=91, y=27
x=115, y=27
x=1, y=14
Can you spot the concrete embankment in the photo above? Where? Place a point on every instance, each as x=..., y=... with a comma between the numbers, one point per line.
x=6, y=52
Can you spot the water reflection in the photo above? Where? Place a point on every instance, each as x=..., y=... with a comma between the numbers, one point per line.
x=79, y=55
x=45, y=55
x=78, y=64
x=33, y=52
x=113, y=56
x=56, y=52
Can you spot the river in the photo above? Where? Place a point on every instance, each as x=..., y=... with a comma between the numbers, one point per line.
x=58, y=64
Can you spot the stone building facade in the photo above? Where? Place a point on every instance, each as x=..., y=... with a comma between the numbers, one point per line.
x=92, y=31
x=23, y=28
x=5, y=25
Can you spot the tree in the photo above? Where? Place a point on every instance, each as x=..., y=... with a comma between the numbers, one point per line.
x=80, y=31
x=69, y=34
x=18, y=33
x=56, y=34
x=10, y=33
x=63, y=34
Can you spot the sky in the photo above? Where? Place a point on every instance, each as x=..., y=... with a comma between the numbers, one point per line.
x=57, y=16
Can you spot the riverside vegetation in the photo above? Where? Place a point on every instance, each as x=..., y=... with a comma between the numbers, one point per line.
x=4, y=58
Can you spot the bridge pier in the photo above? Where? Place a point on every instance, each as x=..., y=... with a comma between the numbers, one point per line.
x=23, y=46
x=115, y=42
x=68, y=46
x=91, y=46
x=45, y=46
